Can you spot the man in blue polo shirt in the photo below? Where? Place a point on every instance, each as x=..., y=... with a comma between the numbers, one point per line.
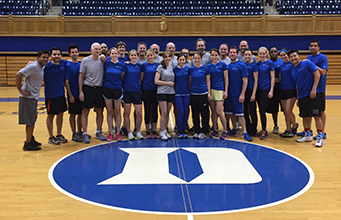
x=306, y=75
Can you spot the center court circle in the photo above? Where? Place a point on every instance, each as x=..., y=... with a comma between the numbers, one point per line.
x=181, y=176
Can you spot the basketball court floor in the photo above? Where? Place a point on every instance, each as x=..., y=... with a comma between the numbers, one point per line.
x=181, y=179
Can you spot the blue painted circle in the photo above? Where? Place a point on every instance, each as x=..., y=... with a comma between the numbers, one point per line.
x=284, y=177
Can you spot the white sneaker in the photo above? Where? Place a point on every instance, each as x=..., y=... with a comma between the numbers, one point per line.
x=138, y=135
x=201, y=136
x=305, y=139
x=131, y=136
x=168, y=135
x=319, y=142
x=196, y=136
x=163, y=137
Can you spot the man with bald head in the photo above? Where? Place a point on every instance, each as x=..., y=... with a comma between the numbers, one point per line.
x=156, y=49
x=90, y=90
x=243, y=45
x=170, y=46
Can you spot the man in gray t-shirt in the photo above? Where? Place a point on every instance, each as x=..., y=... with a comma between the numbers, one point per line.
x=200, y=45
x=141, y=52
x=91, y=75
x=29, y=95
x=243, y=45
x=156, y=49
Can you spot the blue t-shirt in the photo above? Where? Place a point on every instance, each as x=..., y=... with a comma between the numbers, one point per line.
x=217, y=75
x=264, y=75
x=181, y=81
x=113, y=73
x=72, y=74
x=131, y=81
x=198, y=80
x=251, y=68
x=277, y=65
x=149, y=70
x=123, y=59
x=287, y=82
x=54, y=78
x=304, y=77
x=321, y=61
x=237, y=71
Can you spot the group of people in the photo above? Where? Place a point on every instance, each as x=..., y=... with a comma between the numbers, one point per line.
x=227, y=81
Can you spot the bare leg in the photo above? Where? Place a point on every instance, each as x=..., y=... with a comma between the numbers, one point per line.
x=99, y=118
x=59, y=123
x=84, y=117
x=49, y=125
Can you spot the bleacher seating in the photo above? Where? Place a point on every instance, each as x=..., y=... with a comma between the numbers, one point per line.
x=22, y=7
x=306, y=7
x=160, y=7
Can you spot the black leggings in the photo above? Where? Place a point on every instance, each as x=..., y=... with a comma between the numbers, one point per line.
x=150, y=105
x=262, y=101
x=199, y=105
x=250, y=110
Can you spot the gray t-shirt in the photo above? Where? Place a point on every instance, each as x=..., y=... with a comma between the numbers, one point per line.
x=174, y=62
x=34, y=74
x=188, y=63
x=158, y=59
x=141, y=61
x=227, y=60
x=241, y=58
x=166, y=75
x=93, y=71
x=206, y=59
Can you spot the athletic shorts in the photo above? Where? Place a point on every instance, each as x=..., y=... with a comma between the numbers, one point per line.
x=165, y=97
x=27, y=111
x=288, y=94
x=233, y=106
x=217, y=95
x=112, y=94
x=132, y=98
x=93, y=97
x=308, y=107
x=76, y=107
x=321, y=99
x=55, y=106
x=274, y=102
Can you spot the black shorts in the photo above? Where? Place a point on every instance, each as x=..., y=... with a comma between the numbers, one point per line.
x=76, y=107
x=308, y=107
x=93, y=97
x=321, y=99
x=288, y=94
x=132, y=98
x=165, y=97
x=274, y=102
x=112, y=94
x=55, y=106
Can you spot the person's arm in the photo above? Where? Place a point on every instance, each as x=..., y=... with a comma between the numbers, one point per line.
x=255, y=85
x=141, y=77
x=68, y=90
x=226, y=78
x=322, y=71
x=316, y=82
x=208, y=83
x=271, y=92
x=18, y=79
x=159, y=82
x=242, y=94
x=80, y=85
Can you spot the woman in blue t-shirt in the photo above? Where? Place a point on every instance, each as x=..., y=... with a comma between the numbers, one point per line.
x=288, y=94
x=112, y=91
x=182, y=94
x=148, y=71
x=200, y=96
x=266, y=83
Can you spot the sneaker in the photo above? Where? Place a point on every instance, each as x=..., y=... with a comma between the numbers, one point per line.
x=118, y=137
x=168, y=135
x=263, y=135
x=294, y=130
x=54, y=140
x=319, y=142
x=275, y=130
x=180, y=135
x=324, y=136
x=303, y=133
x=184, y=135
x=305, y=139
x=154, y=135
x=163, y=136
x=61, y=138
x=138, y=135
x=201, y=136
x=76, y=137
x=100, y=136
x=131, y=136
x=86, y=139
x=214, y=134
x=246, y=137
x=134, y=132
x=148, y=135
x=34, y=142
x=224, y=135
x=124, y=131
x=195, y=136
x=110, y=137
x=287, y=134
x=238, y=125
x=233, y=132
x=28, y=146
